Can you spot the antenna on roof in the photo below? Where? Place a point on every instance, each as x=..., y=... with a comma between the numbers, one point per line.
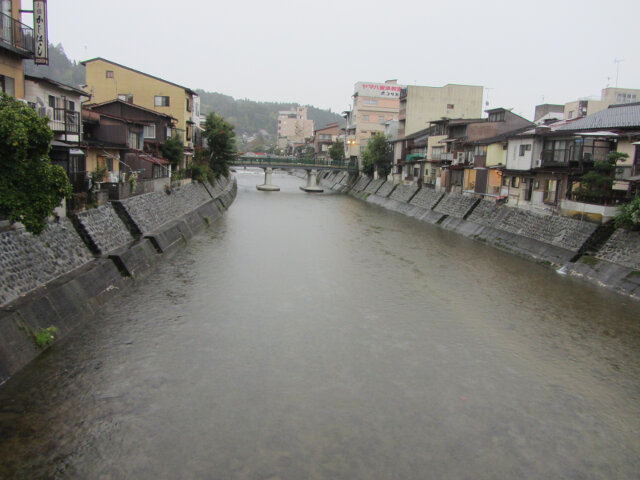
x=617, y=61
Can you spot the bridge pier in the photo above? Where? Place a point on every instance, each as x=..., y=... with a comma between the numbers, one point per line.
x=312, y=182
x=268, y=186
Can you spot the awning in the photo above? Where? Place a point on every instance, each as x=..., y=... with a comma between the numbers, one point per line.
x=412, y=157
x=76, y=151
x=154, y=160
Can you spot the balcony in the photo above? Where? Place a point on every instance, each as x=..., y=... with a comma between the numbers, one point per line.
x=556, y=158
x=61, y=120
x=16, y=36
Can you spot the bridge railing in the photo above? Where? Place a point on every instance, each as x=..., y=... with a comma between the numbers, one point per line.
x=293, y=162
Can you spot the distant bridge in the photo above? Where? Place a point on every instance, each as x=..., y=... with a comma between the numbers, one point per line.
x=292, y=163
x=311, y=165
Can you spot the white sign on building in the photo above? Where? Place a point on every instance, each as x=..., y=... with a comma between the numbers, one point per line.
x=383, y=90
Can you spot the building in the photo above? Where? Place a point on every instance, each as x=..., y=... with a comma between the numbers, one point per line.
x=294, y=128
x=374, y=104
x=16, y=44
x=608, y=96
x=126, y=138
x=106, y=80
x=421, y=105
x=62, y=105
x=547, y=112
x=323, y=138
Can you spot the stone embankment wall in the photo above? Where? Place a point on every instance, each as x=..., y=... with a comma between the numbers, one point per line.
x=62, y=277
x=559, y=241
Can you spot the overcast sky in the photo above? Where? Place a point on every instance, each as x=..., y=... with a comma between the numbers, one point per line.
x=523, y=52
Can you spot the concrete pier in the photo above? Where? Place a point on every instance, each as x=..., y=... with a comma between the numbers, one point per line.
x=312, y=183
x=267, y=186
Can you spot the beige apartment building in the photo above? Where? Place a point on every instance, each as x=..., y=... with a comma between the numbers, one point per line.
x=108, y=80
x=608, y=96
x=420, y=105
x=293, y=127
x=374, y=104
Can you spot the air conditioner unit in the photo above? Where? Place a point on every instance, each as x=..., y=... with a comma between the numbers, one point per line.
x=538, y=163
x=460, y=157
x=49, y=112
x=42, y=112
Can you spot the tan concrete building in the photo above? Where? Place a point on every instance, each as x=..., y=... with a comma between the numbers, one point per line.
x=108, y=80
x=293, y=127
x=608, y=96
x=420, y=105
x=374, y=104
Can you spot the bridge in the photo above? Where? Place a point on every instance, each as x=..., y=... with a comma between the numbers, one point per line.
x=311, y=165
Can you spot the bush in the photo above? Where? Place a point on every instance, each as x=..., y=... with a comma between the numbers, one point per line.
x=629, y=215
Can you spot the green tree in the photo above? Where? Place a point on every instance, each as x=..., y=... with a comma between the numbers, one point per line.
x=629, y=215
x=336, y=151
x=595, y=185
x=377, y=156
x=221, y=146
x=173, y=150
x=30, y=186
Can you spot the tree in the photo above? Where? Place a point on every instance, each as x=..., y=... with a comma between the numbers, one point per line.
x=30, y=186
x=377, y=156
x=221, y=146
x=336, y=151
x=173, y=150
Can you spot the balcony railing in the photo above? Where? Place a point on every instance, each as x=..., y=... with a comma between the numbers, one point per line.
x=61, y=120
x=16, y=35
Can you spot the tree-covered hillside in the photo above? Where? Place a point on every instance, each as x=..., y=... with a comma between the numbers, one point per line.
x=249, y=117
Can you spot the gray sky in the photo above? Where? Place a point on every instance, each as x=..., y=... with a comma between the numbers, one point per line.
x=525, y=53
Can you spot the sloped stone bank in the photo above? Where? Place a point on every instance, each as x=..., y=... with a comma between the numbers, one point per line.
x=62, y=277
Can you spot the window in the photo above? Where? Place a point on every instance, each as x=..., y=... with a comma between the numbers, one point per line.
x=370, y=102
x=524, y=148
x=365, y=118
x=134, y=140
x=515, y=182
x=109, y=74
x=188, y=104
x=450, y=106
x=380, y=119
x=125, y=97
x=149, y=131
x=436, y=153
x=168, y=132
x=8, y=85
x=161, y=101
x=570, y=114
x=626, y=97
x=480, y=150
x=496, y=117
x=71, y=105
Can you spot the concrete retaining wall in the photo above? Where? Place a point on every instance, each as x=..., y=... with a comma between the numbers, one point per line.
x=54, y=279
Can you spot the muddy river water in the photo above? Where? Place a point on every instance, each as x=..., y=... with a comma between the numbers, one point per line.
x=319, y=337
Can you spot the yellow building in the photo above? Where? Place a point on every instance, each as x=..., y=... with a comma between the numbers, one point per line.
x=107, y=80
x=16, y=44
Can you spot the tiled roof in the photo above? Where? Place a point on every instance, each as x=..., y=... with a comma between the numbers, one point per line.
x=616, y=116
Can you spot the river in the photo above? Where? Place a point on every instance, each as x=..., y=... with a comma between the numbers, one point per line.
x=311, y=336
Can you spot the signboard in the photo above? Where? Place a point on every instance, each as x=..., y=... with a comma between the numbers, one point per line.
x=41, y=38
x=383, y=90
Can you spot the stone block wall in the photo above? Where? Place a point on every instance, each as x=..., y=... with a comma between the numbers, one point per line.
x=30, y=261
x=487, y=213
x=426, y=198
x=103, y=229
x=623, y=248
x=374, y=185
x=361, y=184
x=403, y=193
x=385, y=189
x=152, y=210
x=562, y=232
x=455, y=205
